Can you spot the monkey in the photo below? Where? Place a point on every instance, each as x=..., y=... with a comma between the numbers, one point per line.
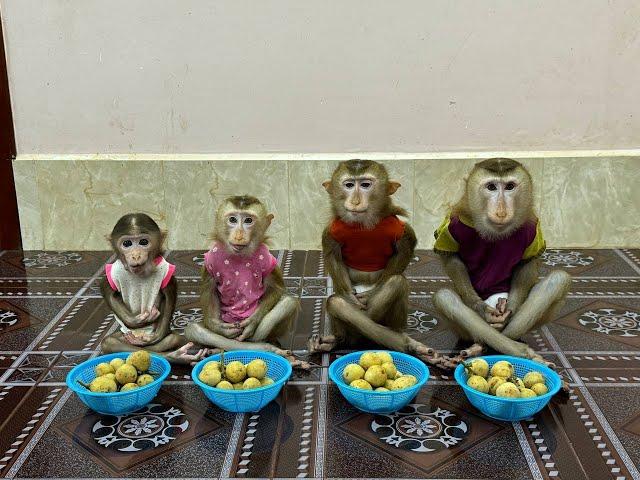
x=366, y=249
x=243, y=295
x=141, y=291
x=490, y=246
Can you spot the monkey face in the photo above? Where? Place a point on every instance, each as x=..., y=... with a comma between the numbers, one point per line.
x=500, y=195
x=240, y=227
x=241, y=224
x=135, y=252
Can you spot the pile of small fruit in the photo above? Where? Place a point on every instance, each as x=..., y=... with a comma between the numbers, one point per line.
x=376, y=370
x=119, y=375
x=501, y=380
x=235, y=375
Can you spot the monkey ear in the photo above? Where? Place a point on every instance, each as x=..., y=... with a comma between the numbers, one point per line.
x=163, y=237
x=327, y=185
x=269, y=218
x=392, y=187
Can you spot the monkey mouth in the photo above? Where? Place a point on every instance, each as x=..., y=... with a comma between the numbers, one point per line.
x=356, y=212
x=236, y=247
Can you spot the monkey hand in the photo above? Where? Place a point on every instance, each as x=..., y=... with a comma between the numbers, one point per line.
x=139, y=341
x=226, y=329
x=496, y=318
x=249, y=327
x=353, y=298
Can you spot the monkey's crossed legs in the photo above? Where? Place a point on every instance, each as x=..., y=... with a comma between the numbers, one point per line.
x=273, y=324
x=173, y=347
x=388, y=302
x=543, y=301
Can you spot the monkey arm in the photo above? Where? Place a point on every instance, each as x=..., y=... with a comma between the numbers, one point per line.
x=274, y=289
x=331, y=251
x=167, y=307
x=210, y=304
x=524, y=278
x=405, y=248
x=117, y=306
x=459, y=275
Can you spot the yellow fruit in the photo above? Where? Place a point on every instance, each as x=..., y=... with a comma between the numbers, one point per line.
x=238, y=386
x=235, y=372
x=518, y=382
x=224, y=385
x=411, y=379
x=103, y=385
x=508, y=390
x=212, y=364
x=388, y=384
x=257, y=369
x=540, y=389
x=368, y=359
x=385, y=357
x=390, y=369
x=129, y=386
x=210, y=377
x=495, y=382
x=251, y=383
x=266, y=381
x=399, y=374
x=103, y=368
x=478, y=383
x=352, y=372
x=362, y=384
x=140, y=359
x=126, y=374
x=382, y=389
x=502, y=369
x=116, y=363
x=403, y=382
x=478, y=366
x=376, y=376
x=112, y=376
x=144, y=379
x=531, y=378
x=527, y=393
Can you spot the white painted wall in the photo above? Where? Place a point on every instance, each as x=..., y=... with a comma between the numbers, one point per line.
x=166, y=76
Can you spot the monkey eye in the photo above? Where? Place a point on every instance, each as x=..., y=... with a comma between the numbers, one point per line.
x=365, y=185
x=248, y=220
x=491, y=187
x=510, y=186
x=127, y=243
x=144, y=242
x=233, y=220
x=349, y=185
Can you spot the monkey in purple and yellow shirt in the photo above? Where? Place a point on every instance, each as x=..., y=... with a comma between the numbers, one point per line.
x=490, y=246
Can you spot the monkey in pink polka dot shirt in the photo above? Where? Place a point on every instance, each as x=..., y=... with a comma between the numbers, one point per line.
x=239, y=279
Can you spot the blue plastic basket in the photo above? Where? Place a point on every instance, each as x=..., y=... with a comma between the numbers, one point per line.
x=278, y=369
x=510, y=409
x=380, y=402
x=117, y=403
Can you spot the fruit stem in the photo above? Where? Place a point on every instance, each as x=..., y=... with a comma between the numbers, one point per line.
x=83, y=384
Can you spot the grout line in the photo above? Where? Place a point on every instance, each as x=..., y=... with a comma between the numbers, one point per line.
x=526, y=450
x=321, y=431
x=233, y=446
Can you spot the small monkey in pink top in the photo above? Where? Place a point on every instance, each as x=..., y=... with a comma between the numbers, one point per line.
x=243, y=296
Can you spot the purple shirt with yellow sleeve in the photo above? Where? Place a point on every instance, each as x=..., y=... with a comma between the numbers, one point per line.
x=490, y=263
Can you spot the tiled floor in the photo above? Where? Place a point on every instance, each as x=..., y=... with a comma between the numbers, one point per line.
x=52, y=317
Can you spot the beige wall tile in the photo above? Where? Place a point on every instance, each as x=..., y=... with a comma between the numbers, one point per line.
x=82, y=200
x=592, y=202
x=194, y=189
x=310, y=207
x=24, y=173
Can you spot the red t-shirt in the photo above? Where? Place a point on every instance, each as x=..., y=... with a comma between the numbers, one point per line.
x=367, y=250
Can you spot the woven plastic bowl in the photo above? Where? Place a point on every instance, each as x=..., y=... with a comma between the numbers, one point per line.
x=510, y=409
x=380, y=402
x=117, y=403
x=278, y=368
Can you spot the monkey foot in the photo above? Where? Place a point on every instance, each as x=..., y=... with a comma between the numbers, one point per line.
x=318, y=344
x=297, y=363
x=430, y=356
x=182, y=355
x=473, y=351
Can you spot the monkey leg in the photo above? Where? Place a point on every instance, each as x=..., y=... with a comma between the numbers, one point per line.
x=543, y=301
x=173, y=347
x=278, y=320
x=198, y=333
x=393, y=295
x=452, y=307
